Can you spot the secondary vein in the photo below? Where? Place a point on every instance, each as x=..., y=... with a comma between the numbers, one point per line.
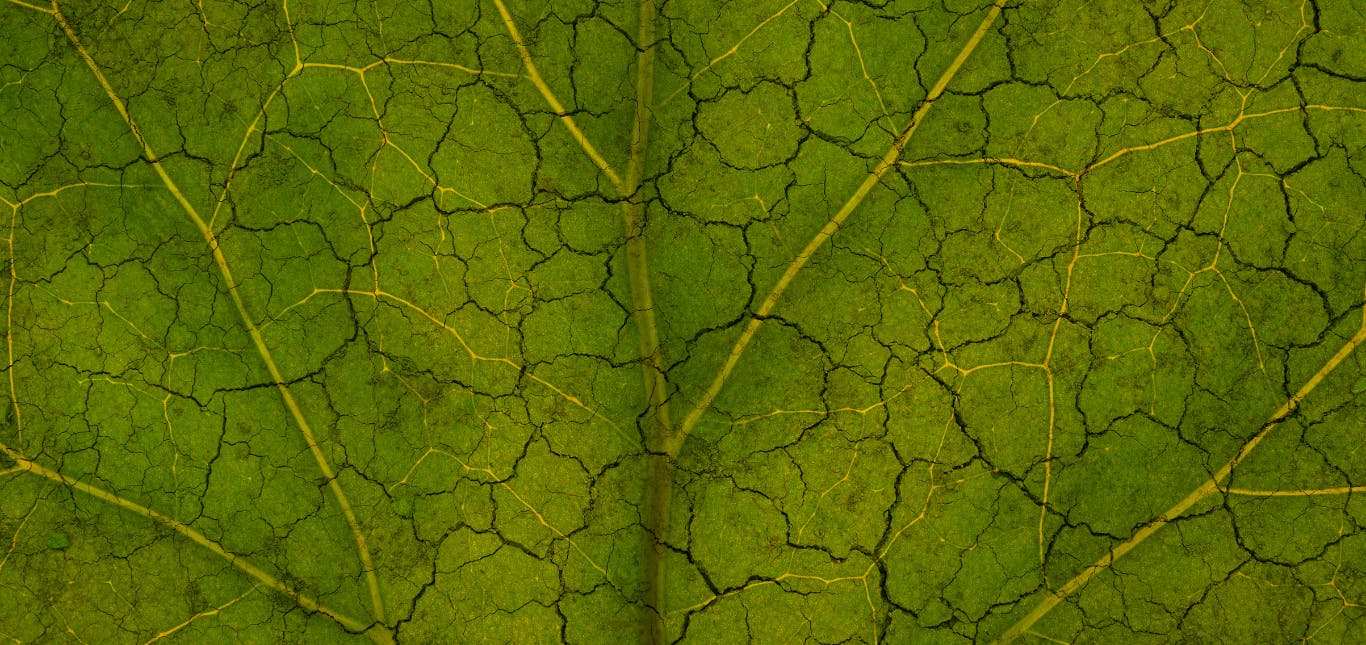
x=888, y=161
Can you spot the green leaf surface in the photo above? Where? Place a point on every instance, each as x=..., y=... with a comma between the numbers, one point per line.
x=527, y=321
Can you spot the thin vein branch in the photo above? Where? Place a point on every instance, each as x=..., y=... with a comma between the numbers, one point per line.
x=1208, y=488
x=554, y=103
x=377, y=604
x=888, y=161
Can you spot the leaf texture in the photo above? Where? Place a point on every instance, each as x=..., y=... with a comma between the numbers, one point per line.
x=769, y=321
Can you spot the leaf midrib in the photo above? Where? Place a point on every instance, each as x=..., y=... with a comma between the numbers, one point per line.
x=663, y=441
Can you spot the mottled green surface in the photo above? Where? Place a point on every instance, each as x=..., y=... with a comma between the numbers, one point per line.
x=964, y=322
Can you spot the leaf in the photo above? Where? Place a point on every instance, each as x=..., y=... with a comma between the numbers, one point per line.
x=767, y=320
x=58, y=541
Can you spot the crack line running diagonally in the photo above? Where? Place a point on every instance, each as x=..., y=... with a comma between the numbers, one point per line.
x=473, y=355
x=1210, y=487
x=888, y=160
x=549, y=96
x=377, y=605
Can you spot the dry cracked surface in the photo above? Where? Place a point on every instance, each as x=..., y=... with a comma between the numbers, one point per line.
x=877, y=321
